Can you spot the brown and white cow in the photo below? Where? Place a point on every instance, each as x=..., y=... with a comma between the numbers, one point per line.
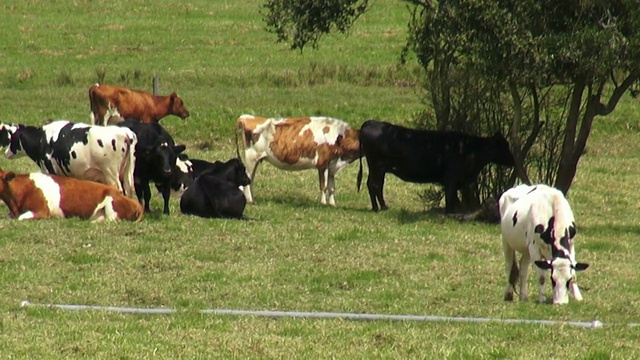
x=137, y=104
x=40, y=196
x=300, y=143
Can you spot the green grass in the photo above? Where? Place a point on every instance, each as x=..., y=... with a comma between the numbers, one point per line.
x=294, y=254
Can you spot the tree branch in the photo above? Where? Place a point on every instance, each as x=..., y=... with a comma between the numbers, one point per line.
x=602, y=109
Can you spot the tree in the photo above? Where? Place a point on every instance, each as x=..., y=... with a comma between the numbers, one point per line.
x=559, y=60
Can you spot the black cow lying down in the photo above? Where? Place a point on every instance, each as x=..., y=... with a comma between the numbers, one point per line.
x=451, y=159
x=215, y=193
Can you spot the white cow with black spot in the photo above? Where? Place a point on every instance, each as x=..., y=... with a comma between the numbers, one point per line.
x=537, y=221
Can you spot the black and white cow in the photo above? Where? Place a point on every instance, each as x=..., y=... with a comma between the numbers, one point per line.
x=215, y=193
x=451, y=159
x=537, y=222
x=156, y=155
x=96, y=153
x=187, y=170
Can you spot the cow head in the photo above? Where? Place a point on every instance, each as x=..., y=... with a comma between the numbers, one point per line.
x=10, y=135
x=501, y=151
x=162, y=158
x=176, y=106
x=182, y=177
x=240, y=177
x=5, y=192
x=563, y=272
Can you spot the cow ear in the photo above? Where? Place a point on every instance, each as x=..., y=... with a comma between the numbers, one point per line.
x=6, y=177
x=179, y=148
x=543, y=264
x=572, y=230
x=581, y=266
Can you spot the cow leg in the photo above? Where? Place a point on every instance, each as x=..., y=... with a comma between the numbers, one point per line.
x=525, y=265
x=139, y=186
x=322, y=180
x=509, y=263
x=146, y=194
x=251, y=162
x=450, y=198
x=535, y=255
x=166, y=195
x=331, y=187
x=375, y=184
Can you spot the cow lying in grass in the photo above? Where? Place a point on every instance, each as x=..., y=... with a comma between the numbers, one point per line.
x=537, y=221
x=215, y=193
x=41, y=196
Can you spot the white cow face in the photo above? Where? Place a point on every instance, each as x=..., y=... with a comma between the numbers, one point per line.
x=563, y=272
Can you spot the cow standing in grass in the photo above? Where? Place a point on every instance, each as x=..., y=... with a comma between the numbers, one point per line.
x=451, y=159
x=156, y=160
x=137, y=104
x=323, y=143
x=537, y=221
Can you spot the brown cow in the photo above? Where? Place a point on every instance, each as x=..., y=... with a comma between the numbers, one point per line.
x=301, y=143
x=140, y=105
x=39, y=196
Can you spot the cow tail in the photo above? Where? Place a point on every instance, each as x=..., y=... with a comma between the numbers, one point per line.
x=128, y=165
x=94, y=104
x=238, y=126
x=359, y=178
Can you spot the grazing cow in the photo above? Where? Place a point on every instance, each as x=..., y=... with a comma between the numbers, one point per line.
x=140, y=105
x=215, y=193
x=104, y=154
x=39, y=196
x=156, y=158
x=301, y=143
x=537, y=221
x=451, y=159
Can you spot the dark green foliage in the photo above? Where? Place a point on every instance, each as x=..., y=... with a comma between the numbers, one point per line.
x=505, y=65
x=304, y=22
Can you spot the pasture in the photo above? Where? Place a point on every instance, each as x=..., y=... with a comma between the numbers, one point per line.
x=294, y=254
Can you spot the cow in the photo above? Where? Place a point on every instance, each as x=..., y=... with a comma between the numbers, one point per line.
x=300, y=143
x=451, y=159
x=156, y=157
x=40, y=196
x=215, y=192
x=136, y=104
x=187, y=170
x=537, y=222
x=104, y=154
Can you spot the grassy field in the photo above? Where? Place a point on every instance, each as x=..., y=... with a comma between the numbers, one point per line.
x=294, y=254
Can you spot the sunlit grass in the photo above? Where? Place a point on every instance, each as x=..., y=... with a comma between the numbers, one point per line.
x=293, y=253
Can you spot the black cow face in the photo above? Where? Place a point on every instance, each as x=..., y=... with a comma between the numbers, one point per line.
x=162, y=158
x=242, y=179
x=502, y=152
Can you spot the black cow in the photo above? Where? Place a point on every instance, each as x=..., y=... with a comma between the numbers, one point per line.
x=215, y=193
x=451, y=159
x=156, y=155
x=187, y=171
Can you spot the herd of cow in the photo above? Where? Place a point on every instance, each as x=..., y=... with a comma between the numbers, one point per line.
x=92, y=172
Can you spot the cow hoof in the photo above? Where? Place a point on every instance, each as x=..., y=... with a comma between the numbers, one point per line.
x=508, y=297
